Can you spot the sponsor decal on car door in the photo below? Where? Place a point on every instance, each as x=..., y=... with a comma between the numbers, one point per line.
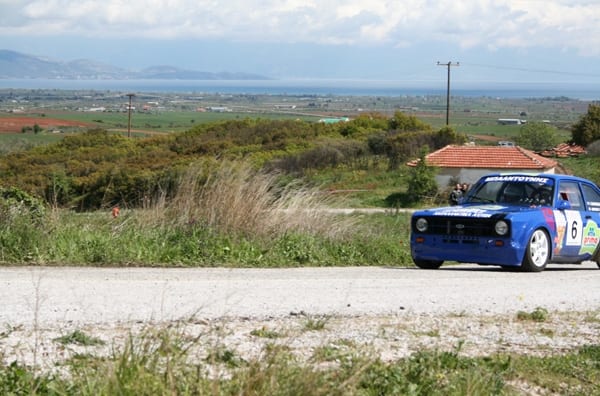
x=569, y=229
x=591, y=236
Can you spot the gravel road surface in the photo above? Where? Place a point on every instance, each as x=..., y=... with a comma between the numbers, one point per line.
x=392, y=309
x=100, y=295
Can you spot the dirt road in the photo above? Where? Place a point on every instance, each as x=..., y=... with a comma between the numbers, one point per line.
x=101, y=295
x=392, y=311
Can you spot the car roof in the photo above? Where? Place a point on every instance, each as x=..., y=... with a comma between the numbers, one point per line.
x=553, y=176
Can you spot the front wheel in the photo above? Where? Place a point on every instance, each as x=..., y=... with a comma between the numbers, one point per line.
x=596, y=256
x=537, y=253
x=428, y=264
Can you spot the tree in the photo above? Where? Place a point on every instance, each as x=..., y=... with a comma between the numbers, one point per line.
x=537, y=136
x=447, y=135
x=405, y=123
x=422, y=182
x=587, y=129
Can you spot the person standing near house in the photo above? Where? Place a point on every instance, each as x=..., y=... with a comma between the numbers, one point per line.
x=456, y=194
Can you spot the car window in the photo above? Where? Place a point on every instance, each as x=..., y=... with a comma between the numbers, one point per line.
x=513, y=193
x=592, y=198
x=513, y=190
x=569, y=191
x=486, y=192
x=540, y=194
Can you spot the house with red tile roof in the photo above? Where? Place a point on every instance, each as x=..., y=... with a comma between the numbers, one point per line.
x=564, y=150
x=466, y=164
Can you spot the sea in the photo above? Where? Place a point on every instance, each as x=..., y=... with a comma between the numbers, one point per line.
x=323, y=87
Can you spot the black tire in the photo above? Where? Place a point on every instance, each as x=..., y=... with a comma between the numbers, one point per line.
x=537, y=253
x=428, y=264
x=596, y=256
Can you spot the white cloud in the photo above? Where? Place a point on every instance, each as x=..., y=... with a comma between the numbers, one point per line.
x=571, y=24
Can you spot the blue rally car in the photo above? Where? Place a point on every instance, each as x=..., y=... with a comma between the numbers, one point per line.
x=512, y=220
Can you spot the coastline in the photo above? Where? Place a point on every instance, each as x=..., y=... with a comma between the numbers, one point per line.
x=322, y=87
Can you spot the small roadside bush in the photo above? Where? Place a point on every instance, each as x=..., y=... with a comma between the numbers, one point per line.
x=78, y=337
x=16, y=203
x=539, y=314
x=21, y=234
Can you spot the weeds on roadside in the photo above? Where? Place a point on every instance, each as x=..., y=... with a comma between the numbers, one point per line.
x=539, y=314
x=315, y=323
x=225, y=356
x=263, y=332
x=166, y=361
x=78, y=337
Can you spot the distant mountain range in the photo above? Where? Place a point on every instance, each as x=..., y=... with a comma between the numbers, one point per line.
x=18, y=65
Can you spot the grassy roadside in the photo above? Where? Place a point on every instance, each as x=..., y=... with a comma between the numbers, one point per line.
x=235, y=216
x=96, y=239
x=162, y=361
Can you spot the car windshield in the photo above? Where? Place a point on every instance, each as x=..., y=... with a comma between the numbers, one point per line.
x=512, y=190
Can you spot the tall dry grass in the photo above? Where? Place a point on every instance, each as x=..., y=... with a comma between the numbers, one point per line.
x=234, y=198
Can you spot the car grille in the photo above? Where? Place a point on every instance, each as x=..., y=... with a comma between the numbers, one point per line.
x=461, y=226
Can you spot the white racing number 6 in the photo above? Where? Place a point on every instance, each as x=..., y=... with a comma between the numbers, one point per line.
x=575, y=227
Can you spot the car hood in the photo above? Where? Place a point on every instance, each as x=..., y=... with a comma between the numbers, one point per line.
x=475, y=211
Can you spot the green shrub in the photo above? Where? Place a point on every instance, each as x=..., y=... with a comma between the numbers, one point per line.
x=327, y=155
x=16, y=379
x=539, y=314
x=16, y=203
x=78, y=337
x=422, y=184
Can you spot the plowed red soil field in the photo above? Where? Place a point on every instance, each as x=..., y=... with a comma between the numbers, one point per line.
x=16, y=123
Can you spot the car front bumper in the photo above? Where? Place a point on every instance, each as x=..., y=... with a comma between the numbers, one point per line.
x=481, y=250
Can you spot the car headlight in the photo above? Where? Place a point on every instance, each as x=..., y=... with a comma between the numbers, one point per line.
x=501, y=227
x=421, y=224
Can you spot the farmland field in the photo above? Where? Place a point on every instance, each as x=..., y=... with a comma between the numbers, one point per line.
x=171, y=112
x=16, y=123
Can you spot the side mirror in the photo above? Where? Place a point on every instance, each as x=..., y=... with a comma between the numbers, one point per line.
x=563, y=205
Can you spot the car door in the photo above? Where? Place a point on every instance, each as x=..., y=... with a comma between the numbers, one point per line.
x=591, y=231
x=577, y=227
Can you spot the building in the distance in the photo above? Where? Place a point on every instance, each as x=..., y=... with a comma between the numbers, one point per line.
x=467, y=164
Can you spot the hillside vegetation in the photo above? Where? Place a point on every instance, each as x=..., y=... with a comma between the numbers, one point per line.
x=97, y=169
x=240, y=193
x=251, y=192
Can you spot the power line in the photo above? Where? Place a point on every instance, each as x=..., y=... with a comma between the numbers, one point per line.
x=528, y=70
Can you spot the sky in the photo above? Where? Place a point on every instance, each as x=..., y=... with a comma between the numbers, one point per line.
x=486, y=40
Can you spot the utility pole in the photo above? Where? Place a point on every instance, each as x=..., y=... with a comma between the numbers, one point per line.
x=129, y=115
x=448, y=65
